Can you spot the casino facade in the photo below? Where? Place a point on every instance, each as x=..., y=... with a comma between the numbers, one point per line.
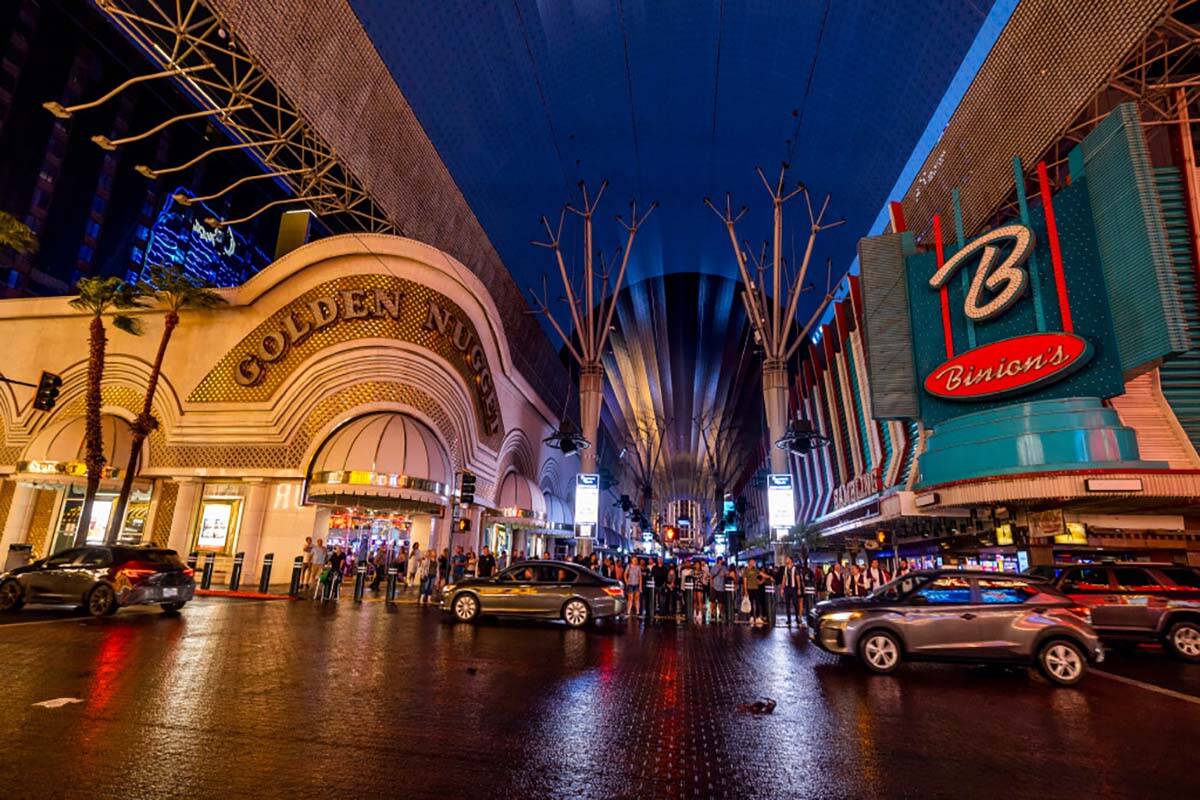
x=337, y=395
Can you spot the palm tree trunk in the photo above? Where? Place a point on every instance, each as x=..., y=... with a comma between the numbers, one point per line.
x=93, y=439
x=141, y=430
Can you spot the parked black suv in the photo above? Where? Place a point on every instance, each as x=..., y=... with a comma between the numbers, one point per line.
x=101, y=579
x=1137, y=601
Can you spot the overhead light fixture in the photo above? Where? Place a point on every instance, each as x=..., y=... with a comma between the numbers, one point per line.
x=567, y=438
x=801, y=438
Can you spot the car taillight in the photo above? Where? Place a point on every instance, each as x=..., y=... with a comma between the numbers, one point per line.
x=188, y=572
x=614, y=591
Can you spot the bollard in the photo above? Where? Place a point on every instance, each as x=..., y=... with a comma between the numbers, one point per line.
x=810, y=596
x=235, y=575
x=391, y=584
x=264, y=581
x=770, y=609
x=192, y=558
x=297, y=569
x=360, y=582
x=206, y=577
x=688, y=598
x=650, y=608
x=730, y=600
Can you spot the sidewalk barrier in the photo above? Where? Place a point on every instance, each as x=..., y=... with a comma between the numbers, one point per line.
x=264, y=582
x=730, y=601
x=297, y=569
x=207, y=575
x=192, y=558
x=649, y=609
x=360, y=582
x=393, y=570
x=810, y=600
x=235, y=575
x=688, y=598
x=770, y=602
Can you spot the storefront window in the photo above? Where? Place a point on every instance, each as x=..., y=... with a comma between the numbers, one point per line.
x=136, y=514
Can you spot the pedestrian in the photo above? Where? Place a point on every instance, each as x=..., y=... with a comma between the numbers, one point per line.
x=443, y=568
x=792, y=583
x=426, y=574
x=486, y=566
x=875, y=576
x=306, y=569
x=834, y=585
x=659, y=573
x=337, y=562
x=320, y=556
x=633, y=586
x=402, y=566
x=754, y=580
x=670, y=593
x=700, y=587
x=717, y=595
x=458, y=565
x=415, y=556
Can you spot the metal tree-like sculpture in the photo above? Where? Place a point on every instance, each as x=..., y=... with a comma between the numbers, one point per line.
x=772, y=317
x=591, y=320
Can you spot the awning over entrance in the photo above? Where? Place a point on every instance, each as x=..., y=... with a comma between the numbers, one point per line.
x=519, y=502
x=56, y=455
x=559, y=519
x=385, y=460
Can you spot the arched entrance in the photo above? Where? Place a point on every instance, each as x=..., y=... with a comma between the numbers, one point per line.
x=386, y=478
x=54, y=463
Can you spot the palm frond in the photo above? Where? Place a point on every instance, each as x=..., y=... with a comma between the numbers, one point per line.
x=131, y=325
x=16, y=234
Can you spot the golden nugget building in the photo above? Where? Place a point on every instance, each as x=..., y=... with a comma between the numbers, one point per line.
x=335, y=396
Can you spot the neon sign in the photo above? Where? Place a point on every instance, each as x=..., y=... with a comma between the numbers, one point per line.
x=1009, y=366
x=1007, y=279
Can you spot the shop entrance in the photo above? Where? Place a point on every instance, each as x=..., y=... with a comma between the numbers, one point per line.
x=365, y=531
x=132, y=530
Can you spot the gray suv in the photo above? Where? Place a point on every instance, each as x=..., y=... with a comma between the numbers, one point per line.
x=952, y=615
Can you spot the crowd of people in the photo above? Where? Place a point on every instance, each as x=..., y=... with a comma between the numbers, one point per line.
x=656, y=587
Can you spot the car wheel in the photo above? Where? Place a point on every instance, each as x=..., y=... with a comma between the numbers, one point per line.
x=101, y=601
x=576, y=613
x=1183, y=638
x=172, y=608
x=11, y=596
x=466, y=607
x=1062, y=662
x=879, y=651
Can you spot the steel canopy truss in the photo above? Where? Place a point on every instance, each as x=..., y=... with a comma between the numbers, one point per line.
x=192, y=41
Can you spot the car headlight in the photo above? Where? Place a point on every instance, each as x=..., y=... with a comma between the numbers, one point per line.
x=841, y=616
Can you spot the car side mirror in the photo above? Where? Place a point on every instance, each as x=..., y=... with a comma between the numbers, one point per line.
x=919, y=600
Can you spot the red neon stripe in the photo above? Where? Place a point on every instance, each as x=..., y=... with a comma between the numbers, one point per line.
x=897, y=214
x=1060, y=277
x=944, y=292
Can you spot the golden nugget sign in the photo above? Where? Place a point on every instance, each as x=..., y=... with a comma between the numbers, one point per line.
x=384, y=308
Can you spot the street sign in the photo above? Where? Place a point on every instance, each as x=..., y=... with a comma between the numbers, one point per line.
x=587, y=499
x=781, y=502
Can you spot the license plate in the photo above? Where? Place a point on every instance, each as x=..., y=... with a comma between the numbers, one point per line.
x=170, y=591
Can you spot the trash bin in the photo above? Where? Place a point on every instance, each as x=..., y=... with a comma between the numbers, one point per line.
x=19, y=555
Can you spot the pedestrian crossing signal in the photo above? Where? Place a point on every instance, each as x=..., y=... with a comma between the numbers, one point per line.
x=47, y=391
x=466, y=488
x=462, y=524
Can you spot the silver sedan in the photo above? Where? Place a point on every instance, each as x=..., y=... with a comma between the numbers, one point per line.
x=546, y=589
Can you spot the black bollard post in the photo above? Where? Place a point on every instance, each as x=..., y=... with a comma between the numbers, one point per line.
x=730, y=600
x=650, y=608
x=235, y=575
x=688, y=596
x=770, y=609
x=207, y=575
x=360, y=582
x=264, y=581
x=192, y=558
x=297, y=569
x=391, y=584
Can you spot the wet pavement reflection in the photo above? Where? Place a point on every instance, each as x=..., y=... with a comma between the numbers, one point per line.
x=278, y=699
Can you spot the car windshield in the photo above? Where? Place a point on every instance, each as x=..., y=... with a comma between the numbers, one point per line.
x=900, y=587
x=167, y=558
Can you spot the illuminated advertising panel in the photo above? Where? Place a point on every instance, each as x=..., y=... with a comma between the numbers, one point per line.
x=781, y=501
x=587, y=499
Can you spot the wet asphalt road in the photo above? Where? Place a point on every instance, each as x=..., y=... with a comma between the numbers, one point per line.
x=275, y=699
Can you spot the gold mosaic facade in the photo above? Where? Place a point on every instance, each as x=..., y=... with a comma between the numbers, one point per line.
x=160, y=531
x=44, y=502
x=222, y=384
x=6, y=495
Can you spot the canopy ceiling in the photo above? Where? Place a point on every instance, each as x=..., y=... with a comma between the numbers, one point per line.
x=671, y=100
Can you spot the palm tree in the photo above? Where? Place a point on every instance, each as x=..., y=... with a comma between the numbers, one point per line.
x=175, y=290
x=16, y=234
x=100, y=296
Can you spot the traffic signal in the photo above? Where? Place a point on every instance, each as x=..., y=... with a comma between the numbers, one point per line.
x=47, y=391
x=462, y=524
x=466, y=488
